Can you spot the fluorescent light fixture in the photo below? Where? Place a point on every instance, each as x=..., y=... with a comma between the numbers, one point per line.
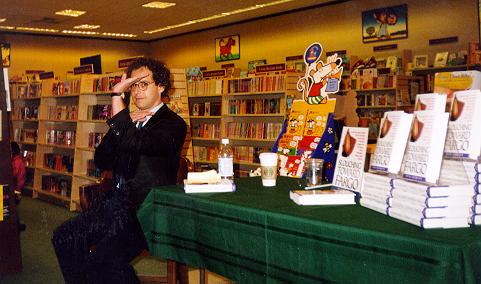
x=158, y=5
x=70, y=13
x=221, y=15
x=119, y=35
x=87, y=27
x=79, y=32
x=36, y=29
x=7, y=27
x=2, y=20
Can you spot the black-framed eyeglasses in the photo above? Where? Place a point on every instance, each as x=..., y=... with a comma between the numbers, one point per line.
x=141, y=85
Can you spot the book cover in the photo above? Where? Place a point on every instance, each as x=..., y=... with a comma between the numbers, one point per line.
x=433, y=101
x=350, y=158
x=423, y=156
x=463, y=138
x=224, y=185
x=323, y=197
x=391, y=142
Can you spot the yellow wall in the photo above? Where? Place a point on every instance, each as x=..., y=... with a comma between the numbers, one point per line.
x=337, y=27
x=61, y=54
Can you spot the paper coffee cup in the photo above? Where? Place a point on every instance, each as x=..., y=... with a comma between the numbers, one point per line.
x=268, y=168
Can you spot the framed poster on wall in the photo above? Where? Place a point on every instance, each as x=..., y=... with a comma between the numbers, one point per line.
x=227, y=48
x=387, y=23
x=5, y=54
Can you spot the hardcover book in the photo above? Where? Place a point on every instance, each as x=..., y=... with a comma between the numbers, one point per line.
x=431, y=223
x=391, y=142
x=224, y=185
x=323, y=197
x=464, y=134
x=433, y=101
x=455, y=172
x=403, y=186
x=350, y=158
x=423, y=156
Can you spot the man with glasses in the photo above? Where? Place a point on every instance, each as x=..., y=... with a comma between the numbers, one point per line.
x=142, y=148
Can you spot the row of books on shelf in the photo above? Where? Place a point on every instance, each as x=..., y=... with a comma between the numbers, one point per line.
x=25, y=112
x=63, y=112
x=204, y=88
x=92, y=170
x=25, y=135
x=240, y=153
x=65, y=88
x=206, y=130
x=56, y=184
x=206, y=109
x=27, y=90
x=99, y=112
x=58, y=162
x=60, y=137
x=371, y=78
x=253, y=130
x=257, y=84
x=254, y=106
x=95, y=138
x=28, y=158
x=105, y=84
x=381, y=99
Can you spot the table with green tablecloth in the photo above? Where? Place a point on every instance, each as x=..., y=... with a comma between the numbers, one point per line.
x=258, y=235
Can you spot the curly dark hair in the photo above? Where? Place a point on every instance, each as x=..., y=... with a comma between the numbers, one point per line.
x=160, y=73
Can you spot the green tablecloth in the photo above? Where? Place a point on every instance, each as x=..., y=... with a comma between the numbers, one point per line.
x=258, y=235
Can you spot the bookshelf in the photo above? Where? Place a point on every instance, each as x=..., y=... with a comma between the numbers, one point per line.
x=252, y=113
x=384, y=92
x=428, y=73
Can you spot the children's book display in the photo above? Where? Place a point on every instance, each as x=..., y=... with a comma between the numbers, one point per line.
x=308, y=133
x=431, y=191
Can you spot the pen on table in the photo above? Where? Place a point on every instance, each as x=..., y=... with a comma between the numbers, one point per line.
x=318, y=186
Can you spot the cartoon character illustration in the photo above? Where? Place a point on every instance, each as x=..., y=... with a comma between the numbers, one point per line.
x=292, y=125
x=316, y=85
x=225, y=48
x=385, y=18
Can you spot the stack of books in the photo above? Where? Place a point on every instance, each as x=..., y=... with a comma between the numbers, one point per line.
x=375, y=192
x=431, y=206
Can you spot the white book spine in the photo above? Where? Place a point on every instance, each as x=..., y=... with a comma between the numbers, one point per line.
x=374, y=205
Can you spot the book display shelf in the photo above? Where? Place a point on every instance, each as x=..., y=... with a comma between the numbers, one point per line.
x=377, y=93
x=58, y=125
x=249, y=111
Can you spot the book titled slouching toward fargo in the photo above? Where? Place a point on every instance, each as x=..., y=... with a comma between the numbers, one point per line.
x=322, y=197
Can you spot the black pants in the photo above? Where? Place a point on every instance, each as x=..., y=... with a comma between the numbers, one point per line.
x=98, y=245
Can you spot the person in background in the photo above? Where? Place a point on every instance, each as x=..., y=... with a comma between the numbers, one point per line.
x=142, y=148
x=18, y=175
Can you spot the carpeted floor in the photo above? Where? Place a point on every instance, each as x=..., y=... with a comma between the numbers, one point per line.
x=38, y=257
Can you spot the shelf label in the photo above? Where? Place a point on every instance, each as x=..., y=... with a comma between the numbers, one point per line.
x=338, y=52
x=270, y=68
x=384, y=47
x=293, y=58
x=84, y=69
x=46, y=75
x=225, y=66
x=443, y=40
x=124, y=63
x=214, y=73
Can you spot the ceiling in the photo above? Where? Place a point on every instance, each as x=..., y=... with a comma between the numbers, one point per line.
x=129, y=17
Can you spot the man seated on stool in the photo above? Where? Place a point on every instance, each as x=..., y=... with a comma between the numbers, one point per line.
x=143, y=149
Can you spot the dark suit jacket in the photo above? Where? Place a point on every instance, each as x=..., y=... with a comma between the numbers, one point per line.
x=143, y=157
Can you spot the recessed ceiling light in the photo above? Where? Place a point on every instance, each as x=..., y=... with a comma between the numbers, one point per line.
x=119, y=35
x=36, y=29
x=70, y=13
x=221, y=15
x=79, y=32
x=7, y=27
x=87, y=27
x=158, y=5
x=2, y=20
